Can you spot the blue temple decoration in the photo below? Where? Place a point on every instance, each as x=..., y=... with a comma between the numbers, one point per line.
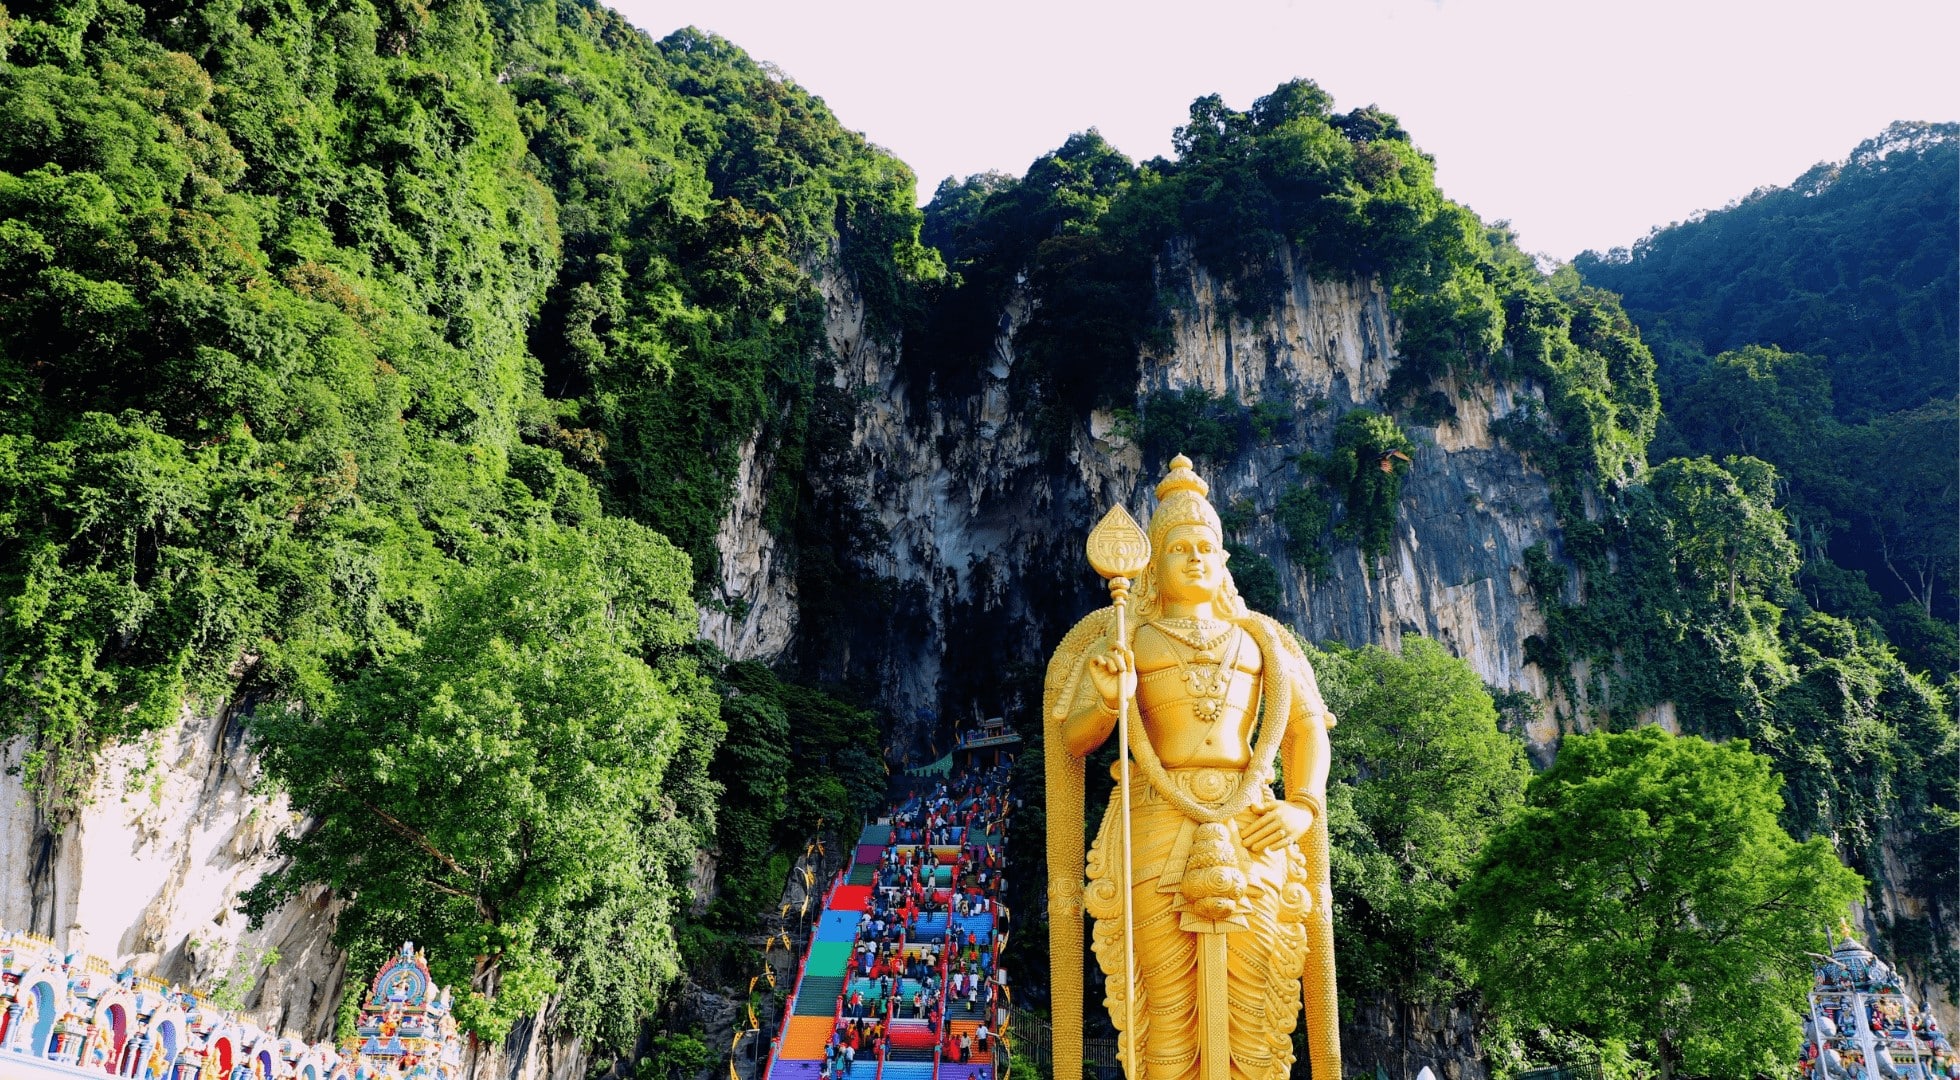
x=1863, y=1025
x=65, y=1013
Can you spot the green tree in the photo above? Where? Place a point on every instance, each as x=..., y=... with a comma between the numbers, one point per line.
x=1256, y=578
x=512, y=784
x=1853, y=268
x=1366, y=466
x=1728, y=533
x=1907, y=475
x=1425, y=777
x=1759, y=401
x=1304, y=513
x=1647, y=894
x=1856, y=261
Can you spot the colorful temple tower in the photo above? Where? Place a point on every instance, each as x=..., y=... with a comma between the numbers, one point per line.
x=405, y=1029
x=1864, y=1026
x=66, y=1014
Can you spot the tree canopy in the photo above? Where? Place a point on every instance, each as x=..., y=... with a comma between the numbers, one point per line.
x=372, y=371
x=1814, y=326
x=1646, y=895
x=521, y=784
x=1423, y=778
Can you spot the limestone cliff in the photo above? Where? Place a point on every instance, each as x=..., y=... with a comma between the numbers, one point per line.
x=971, y=528
x=149, y=869
x=977, y=522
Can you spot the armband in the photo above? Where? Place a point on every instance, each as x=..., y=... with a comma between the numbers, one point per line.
x=1310, y=801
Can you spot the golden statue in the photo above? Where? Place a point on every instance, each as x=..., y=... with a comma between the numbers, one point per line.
x=1226, y=917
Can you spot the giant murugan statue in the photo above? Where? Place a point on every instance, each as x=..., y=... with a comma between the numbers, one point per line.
x=1225, y=917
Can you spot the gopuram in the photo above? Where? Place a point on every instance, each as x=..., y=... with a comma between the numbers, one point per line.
x=1864, y=1026
x=75, y=1015
x=1209, y=891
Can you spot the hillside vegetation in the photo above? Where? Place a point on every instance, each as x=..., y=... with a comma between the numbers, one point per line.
x=1814, y=326
x=380, y=371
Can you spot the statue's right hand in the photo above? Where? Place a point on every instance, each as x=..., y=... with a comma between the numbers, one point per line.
x=1115, y=674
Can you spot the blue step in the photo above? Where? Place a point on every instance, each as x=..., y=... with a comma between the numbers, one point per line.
x=838, y=925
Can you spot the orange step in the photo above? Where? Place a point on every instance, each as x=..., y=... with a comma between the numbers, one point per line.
x=965, y=1027
x=805, y=1037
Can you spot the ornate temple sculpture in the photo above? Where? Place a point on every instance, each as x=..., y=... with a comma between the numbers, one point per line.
x=1226, y=914
x=65, y=1012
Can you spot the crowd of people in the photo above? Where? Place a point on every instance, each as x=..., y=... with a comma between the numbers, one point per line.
x=957, y=967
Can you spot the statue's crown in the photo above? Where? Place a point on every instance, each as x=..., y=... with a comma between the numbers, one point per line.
x=1181, y=501
x=1182, y=478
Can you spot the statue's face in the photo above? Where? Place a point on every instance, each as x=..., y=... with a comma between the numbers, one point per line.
x=1191, y=568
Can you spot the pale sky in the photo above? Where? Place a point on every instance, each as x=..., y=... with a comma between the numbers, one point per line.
x=1584, y=123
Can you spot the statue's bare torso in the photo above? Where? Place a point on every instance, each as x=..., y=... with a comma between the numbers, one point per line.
x=1172, y=683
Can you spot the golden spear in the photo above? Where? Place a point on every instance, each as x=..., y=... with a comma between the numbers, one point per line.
x=1119, y=550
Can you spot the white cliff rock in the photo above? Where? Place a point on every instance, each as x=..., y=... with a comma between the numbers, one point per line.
x=978, y=521
x=151, y=866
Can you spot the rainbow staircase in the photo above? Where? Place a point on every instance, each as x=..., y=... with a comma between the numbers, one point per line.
x=826, y=980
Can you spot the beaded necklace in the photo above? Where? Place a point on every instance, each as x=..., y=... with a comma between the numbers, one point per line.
x=1207, y=682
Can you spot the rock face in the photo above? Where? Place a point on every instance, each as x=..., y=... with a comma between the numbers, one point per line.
x=1403, y=1038
x=150, y=869
x=978, y=518
x=971, y=565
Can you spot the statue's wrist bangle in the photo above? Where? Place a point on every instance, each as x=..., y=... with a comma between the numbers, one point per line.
x=1106, y=709
x=1309, y=801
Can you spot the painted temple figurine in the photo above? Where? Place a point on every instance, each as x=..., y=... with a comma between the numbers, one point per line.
x=1226, y=915
x=69, y=1012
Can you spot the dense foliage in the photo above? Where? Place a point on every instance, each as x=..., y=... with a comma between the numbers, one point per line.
x=1647, y=897
x=1365, y=468
x=694, y=185
x=1857, y=261
x=1083, y=231
x=795, y=760
x=1423, y=777
x=502, y=786
x=1814, y=326
x=1712, y=586
x=351, y=355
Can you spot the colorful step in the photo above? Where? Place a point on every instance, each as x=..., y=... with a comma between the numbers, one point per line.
x=851, y=898
x=805, y=1038
x=838, y=926
x=968, y=1027
x=827, y=958
x=818, y=995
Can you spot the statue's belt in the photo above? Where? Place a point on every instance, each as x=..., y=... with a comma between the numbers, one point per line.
x=1217, y=848
x=1208, y=785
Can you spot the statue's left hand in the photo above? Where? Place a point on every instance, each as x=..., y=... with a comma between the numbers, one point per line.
x=1278, y=825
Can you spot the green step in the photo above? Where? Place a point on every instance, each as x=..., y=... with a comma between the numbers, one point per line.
x=827, y=959
x=818, y=995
